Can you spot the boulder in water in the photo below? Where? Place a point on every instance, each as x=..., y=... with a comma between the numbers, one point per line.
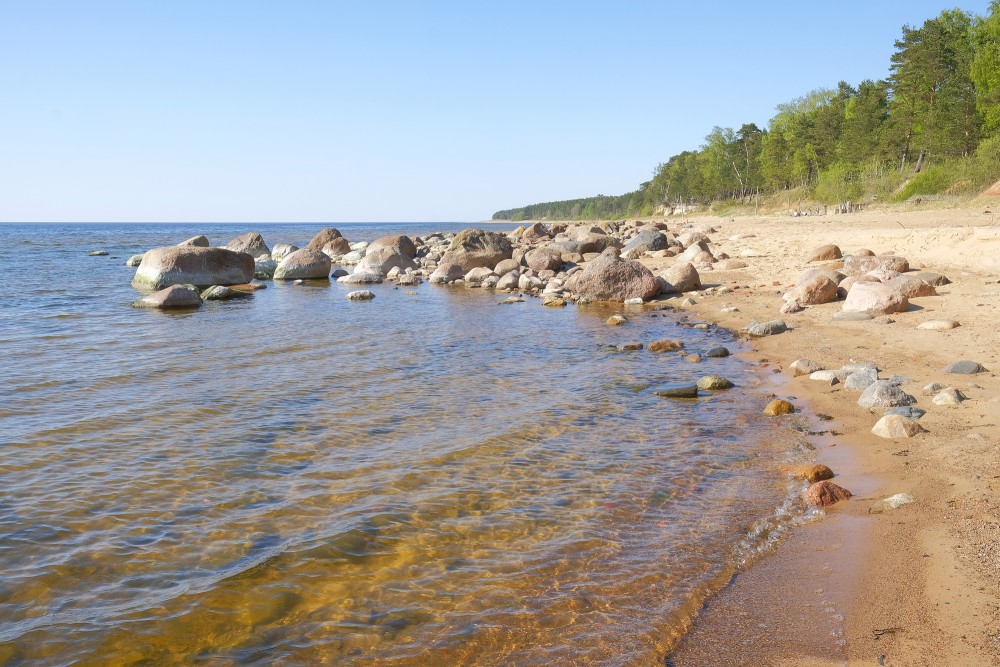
x=202, y=267
x=303, y=264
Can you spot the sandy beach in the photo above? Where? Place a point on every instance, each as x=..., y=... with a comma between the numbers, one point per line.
x=916, y=585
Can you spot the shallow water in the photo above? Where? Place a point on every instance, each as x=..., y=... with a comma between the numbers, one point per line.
x=427, y=478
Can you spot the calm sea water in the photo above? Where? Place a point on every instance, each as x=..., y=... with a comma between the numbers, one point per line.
x=425, y=479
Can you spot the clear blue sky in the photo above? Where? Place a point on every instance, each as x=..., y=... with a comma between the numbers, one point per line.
x=368, y=111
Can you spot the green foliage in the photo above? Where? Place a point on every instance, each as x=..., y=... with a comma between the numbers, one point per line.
x=842, y=144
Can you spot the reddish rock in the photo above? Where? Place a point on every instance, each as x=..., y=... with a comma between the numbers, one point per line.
x=610, y=278
x=336, y=247
x=399, y=244
x=251, y=243
x=323, y=237
x=911, y=287
x=681, y=277
x=824, y=493
x=812, y=473
x=874, y=299
x=825, y=253
x=857, y=264
x=665, y=346
x=303, y=264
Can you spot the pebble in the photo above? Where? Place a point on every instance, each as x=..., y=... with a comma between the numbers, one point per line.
x=616, y=320
x=634, y=301
x=717, y=352
x=761, y=329
x=688, y=302
x=360, y=295
x=693, y=358
x=677, y=390
x=98, y=253
x=938, y=325
x=511, y=299
x=715, y=382
x=730, y=309
x=630, y=347
x=849, y=316
x=779, y=407
x=812, y=473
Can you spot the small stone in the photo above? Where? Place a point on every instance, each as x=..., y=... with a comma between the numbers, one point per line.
x=938, y=325
x=949, y=396
x=791, y=306
x=98, y=253
x=933, y=388
x=824, y=493
x=688, y=302
x=730, y=309
x=761, y=329
x=634, y=301
x=779, y=407
x=897, y=426
x=616, y=320
x=693, y=358
x=360, y=295
x=907, y=411
x=665, y=346
x=715, y=382
x=175, y=296
x=702, y=326
x=811, y=472
x=551, y=301
x=223, y=293
x=677, y=390
x=846, y=316
x=134, y=260
x=828, y=377
x=804, y=367
x=964, y=367
x=717, y=353
x=511, y=299
x=630, y=347
x=891, y=503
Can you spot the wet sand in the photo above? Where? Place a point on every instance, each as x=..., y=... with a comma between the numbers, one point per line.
x=919, y=585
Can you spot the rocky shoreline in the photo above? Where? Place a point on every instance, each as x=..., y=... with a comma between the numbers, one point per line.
x=855, y=339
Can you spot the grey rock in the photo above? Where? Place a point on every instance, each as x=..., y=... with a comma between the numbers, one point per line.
x=364, y=278
x=175, y=296
x=200, y=241
x=646, y=241
x=677, y=390
x=964, y=367
x=861, y=379
x=907, y=411
x=303, y=264
x=134, y=260
x=264, y=268
x=804, y=367
x=884, y=394
x=223, y=293
x=717, y=353
x=715, y=382
x=845, y=316
x=202, y=267
x=360, y=295
x=282, y=250
x=761, y=329
x=251, y=243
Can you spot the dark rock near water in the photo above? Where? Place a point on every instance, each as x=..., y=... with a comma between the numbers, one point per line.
x=715, y=382
x=717, y=352
x=175, y=296
x=677, y=390
x=761, y=329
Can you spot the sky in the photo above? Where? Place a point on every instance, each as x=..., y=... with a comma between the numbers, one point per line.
x=310, y=111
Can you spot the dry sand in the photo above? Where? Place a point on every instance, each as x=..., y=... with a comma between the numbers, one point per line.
x=919, y=585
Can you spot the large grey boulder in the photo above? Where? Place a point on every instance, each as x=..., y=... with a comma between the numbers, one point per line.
x=472, y=248
x=251, y=243
x=645, y=241
x=202, y=267
x=399, y=244
x=611, y=278
x=964, y=367
x=175, y=296
x=282, y=250
x=874, y=299
x=682, y=277
x=303, y=264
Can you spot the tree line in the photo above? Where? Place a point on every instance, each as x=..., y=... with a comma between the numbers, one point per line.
x=931, y=127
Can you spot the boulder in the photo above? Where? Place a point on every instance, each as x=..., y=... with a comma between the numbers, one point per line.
x=813, y=288
x=323, y=237
x=201, y=267
x=282, y=250
x=935, y=279
x=964, y=367
x=717, y=353
x=884, y=394
x=681, y=277
x=264, y=268
x=251, y=243
x=303, y=264
x=479, y=274
x=874, y=299
x=362, y=278
x=223, y=293
x=896, y=426
x=911, y=287
x=175, y=296
x=861, y=378
x=338, y=247
x=534, y=233
x=825, y=493
x=645, y=241
x=383, y=258
x=858, y=264
x=200, y=241
x=446, y=272
x=399, y=243
x=825, y=253
x=610, y=278
x=506, y=266
x=509, y=281
x=544, y=259
x=474, y=247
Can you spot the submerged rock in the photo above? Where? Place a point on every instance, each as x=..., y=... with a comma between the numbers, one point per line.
x=717, y=353
x=360, y=295
x=677, y=390
x=665, y=346
x=223, y=293
x=616, y=320
x=175, y=296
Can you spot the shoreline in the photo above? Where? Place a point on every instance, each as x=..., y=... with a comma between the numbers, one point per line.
x=922, y=586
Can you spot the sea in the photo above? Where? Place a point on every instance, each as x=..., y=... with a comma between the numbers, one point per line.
x=427, y=478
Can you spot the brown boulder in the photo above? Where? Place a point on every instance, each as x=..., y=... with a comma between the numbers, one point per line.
x=383, y=259
x=303, y=264
x=323, y=237
x=535, y=233
x=337, y=247
x=911, y=286
x=825, y=253
x=665, y=346
x=251, y=243
x=779, y=407
x=400, y=244
x=544, y=259
x=824, y=493
x=874, y=299
x=611, y=278
x=681, y=277
x=811, y=472
x=814, y=287
x=857, y=264
x=472, y=248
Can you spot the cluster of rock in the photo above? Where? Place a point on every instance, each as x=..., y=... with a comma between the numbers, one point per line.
x=870, y=285
x=561, y=262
